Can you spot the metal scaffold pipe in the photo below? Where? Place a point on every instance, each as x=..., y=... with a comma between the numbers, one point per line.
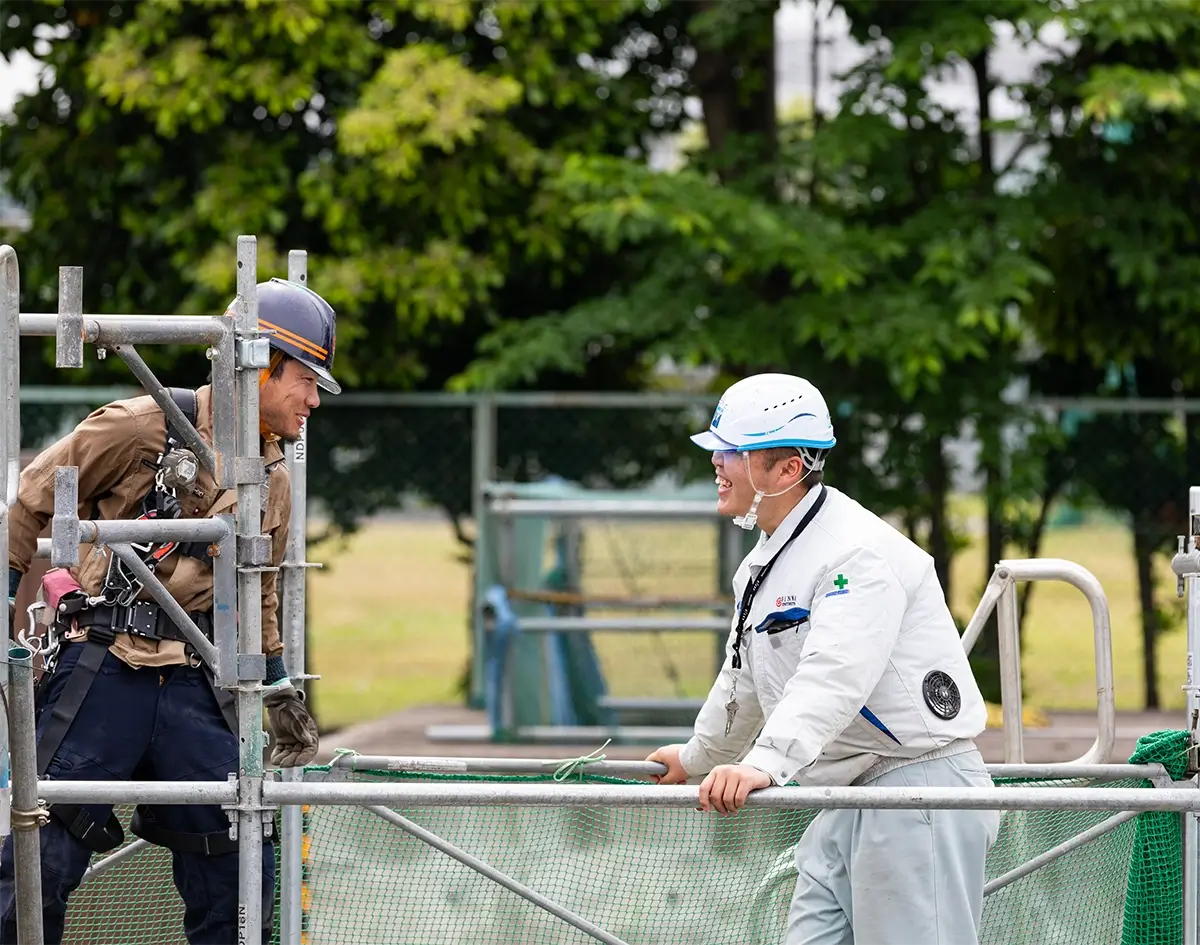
x=412, y=795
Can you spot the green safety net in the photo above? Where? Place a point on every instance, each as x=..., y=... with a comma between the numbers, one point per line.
x=1154, y=901
x=651, y=876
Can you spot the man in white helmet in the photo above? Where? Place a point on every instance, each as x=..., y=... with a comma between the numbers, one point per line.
x=844, y=666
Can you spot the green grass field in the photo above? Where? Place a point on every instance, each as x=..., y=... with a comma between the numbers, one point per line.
x=388, y=617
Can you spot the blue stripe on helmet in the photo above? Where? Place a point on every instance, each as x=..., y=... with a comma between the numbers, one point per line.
x=811, y=444
x=782, y=425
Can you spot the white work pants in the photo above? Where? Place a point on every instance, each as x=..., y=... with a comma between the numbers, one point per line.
x=896, y=877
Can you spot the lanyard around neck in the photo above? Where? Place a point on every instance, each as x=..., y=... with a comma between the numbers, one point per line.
x=748, y=598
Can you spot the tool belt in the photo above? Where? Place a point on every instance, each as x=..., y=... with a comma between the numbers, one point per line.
x=141, y=619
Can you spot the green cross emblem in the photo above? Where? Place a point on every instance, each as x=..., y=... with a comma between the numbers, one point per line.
x=841, y=582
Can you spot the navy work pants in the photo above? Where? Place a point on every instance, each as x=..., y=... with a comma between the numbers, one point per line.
x=159, y=724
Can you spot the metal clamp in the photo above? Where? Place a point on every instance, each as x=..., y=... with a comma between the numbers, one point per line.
x=64, y=527
x=253, y=550
x=1185, y=563
x=30, y=819
x=231, y=810
x=249, y=800
x=252, y=354
x=68, y=341
x=252, y=666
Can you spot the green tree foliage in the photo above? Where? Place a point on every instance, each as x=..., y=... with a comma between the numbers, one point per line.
x=1120, y=200
x=472, y=182
x=409, y=146
x=413, y=148
x=870, y=251
x=890, y=253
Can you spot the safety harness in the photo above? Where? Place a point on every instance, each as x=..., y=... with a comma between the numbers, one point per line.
x=116, y=610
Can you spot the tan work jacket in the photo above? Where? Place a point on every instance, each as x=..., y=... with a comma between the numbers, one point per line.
x=116, y=449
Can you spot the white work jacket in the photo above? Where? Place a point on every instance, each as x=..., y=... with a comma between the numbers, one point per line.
x=849, y=655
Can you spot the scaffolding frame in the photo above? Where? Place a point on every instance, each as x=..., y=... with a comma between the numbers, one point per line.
x=238, y=350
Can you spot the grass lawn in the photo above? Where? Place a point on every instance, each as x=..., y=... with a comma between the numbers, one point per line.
x=388, y=620
x=388, y=617
x=1057, y=656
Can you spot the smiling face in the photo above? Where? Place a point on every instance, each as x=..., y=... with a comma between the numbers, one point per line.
x=734, y=492
x=774, y=472
x=286, y=400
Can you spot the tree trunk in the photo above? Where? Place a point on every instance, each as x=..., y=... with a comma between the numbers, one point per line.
x=986, y=656
x=938, y=481
x=814, y=76
x=735, y=76
x=1050, y=493
x=983, y=91
x=1143, y=552
x=994, y=476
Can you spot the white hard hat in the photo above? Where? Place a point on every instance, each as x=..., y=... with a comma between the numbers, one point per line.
x=769, y=410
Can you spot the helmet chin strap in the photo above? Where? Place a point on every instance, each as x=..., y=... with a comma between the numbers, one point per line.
x=750, y=519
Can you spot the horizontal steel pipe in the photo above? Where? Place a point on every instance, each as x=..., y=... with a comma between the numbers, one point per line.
x=132, y=329
x=531, y=766
x=645, y=769
x=152, y=530
x=75, y=396
x=421, y=794
x=608, y=400
x=137, y=792
x=643, y=704
x=1072, y=771
x=616, y=508
x=623, y=624
x=563, y=734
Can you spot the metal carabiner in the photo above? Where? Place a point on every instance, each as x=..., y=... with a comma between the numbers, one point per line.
x=120, y=588
x=31, y=639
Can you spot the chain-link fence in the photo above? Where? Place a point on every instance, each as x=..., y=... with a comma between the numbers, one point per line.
x=1102, y=482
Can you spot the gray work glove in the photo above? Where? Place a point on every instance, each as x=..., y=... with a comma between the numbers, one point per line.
x=294, y=735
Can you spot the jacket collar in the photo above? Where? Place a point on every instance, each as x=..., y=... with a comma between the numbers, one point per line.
x=768, y=547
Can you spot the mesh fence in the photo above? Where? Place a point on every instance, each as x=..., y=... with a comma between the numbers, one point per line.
x=662, y=876
x=1152, y=905
x=648, y=876
x=134, y=900
x=369, y=453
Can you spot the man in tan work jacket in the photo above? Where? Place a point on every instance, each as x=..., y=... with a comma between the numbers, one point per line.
x=125, y=697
